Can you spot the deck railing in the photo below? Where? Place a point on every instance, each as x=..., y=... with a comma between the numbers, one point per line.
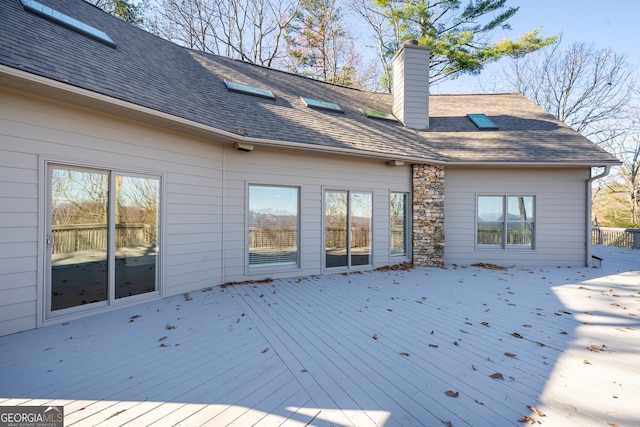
x=621, y=237
x=85, y=237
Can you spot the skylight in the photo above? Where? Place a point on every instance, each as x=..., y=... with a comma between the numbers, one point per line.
x=321, y=105
x=249, y=90
x=60, y=18
x=375, y=114
x=482, y=121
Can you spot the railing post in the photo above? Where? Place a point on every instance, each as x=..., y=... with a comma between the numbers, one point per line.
x=636, y=238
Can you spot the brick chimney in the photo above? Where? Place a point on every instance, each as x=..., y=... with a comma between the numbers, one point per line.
x=411, y=85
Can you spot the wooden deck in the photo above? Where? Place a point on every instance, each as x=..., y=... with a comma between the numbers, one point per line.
x=372, y=349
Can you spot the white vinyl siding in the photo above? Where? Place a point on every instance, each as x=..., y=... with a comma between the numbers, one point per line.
x=312, y=174
x=204, y=240
x=560, y=214
x=33, y=132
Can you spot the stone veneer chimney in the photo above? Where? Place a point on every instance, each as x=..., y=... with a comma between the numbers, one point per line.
x=411, y=85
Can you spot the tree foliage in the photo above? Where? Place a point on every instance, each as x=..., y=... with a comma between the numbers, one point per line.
x=127, y=11
x=458, y=36
x=581, y=86
x=319, y=45
x=249, y=30
x=592, y=91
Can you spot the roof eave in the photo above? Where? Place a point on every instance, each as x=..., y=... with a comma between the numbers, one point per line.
x=568, y=163
x=27, y=81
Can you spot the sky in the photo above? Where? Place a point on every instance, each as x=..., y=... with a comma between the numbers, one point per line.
x=607, y=24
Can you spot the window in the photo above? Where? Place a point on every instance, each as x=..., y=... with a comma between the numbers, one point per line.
x=60, y=18
x=347, y=220
x=398, y=224
x=375, y=114
x=249, y=90
x=482, y=121
x=273, y=225
x=319, y=104
x=103, y=237
x=505, y=221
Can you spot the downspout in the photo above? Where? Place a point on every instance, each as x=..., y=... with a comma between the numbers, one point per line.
x=589, y=259
x=222, y=251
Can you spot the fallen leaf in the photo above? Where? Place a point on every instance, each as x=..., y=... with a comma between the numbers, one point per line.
x=404, y=353
x=187, y=297
x=163, y=338
x=586, y=362
x=510, y=354
x=165, y=345
x=564, y=333
x=570, y=406
x=117, y=413
x=451, y=393
x=517, y=335
x=497, y=376
x=485, y=324
x=265, y=350
x=374, y=336
x=170, y=327
x=456, y=343
x=527, y=420
x=433, y=345
x=536, y=410
x=478, y=402
x=135, y=316
x=612, y=424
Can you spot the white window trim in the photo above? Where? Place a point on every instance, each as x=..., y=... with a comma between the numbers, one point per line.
x=279, y=268
x=46, y=161
x=505, y=246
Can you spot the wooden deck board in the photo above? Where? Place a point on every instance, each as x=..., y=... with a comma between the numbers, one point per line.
x=302, y=351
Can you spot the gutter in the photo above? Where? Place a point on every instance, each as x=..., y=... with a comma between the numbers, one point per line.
x=589, y=256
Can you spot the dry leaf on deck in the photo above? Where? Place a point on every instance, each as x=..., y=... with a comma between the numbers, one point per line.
x=536, y=410
x=265, y=350
x=433, y=345
x=404, y=353
x=497, y=376
x=517, y=335
x=374, y=336
x=485, y=324
x=509, y=354
x=452, y=393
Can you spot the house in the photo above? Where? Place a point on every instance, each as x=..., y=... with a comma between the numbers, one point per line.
x=132, y=169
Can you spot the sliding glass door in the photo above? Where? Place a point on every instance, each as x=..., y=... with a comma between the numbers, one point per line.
x=102, y=241
x=347, y=228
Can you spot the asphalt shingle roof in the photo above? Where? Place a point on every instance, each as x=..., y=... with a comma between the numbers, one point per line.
x=146, y=70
